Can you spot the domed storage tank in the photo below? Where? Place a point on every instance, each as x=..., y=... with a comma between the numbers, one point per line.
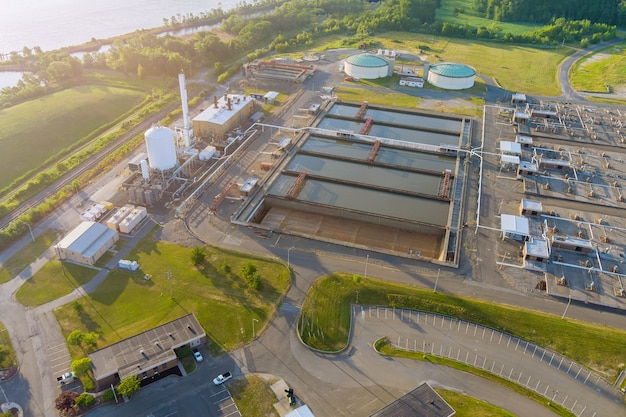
x=451, y=76
x=161, y=148
x=367, y=66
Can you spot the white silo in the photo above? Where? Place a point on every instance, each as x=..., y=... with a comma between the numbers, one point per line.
x=160, y=142
x=144, y=170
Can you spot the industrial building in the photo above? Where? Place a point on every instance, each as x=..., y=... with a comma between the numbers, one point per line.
x=451, y=76
x=278, y=71
x=225, y=115
x=148, y=355
x=86, y=243
x=423, y=401
x=367, y=66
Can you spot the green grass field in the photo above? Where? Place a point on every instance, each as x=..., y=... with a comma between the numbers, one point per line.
x=328, y=302
x=602, y=68
x=466, y=406
x=126, y=304
x=18, y=262
x=445, y=13
x=253, y=396
x=54, y=280
x=33, y=133
x=7, y=353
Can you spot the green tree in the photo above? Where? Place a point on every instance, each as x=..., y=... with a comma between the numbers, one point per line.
x=128, y=386
x=198, y=256
x=90, y=339
x=81, y=367
x=248, y=269
x=75, y=338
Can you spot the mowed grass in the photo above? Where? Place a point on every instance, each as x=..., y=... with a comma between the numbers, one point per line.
x=32, y=133
x=466, y=406
x=606, y=67
x=446, y=13
x=325, y=320
x=54, y=280
x=29, y=253
x=7, y=353
x=253, y=396
x=515, y=68
x=127, y=304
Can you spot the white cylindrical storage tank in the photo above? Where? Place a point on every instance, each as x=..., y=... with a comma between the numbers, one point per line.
x=451, y=76
x=160, y=142
x=144, y=170
x=366, y=66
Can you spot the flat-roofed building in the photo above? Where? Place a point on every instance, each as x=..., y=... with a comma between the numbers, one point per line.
x=86, y=243
x=514, y=227
x=148, y=354
x=225, y=115
x=531, y=208
x=536, y=250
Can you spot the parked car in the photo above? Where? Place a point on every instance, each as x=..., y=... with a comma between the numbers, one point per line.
x=66, y=377
x=221, y=378
x=197, y=355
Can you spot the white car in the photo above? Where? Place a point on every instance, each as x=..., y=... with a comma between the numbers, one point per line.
x=197, y=355
x=221, y=378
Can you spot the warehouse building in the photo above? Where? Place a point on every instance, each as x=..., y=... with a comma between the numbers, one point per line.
x=86, y=243
x=148, y=355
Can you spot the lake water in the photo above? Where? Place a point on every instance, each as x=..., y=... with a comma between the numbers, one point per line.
x=52, y=24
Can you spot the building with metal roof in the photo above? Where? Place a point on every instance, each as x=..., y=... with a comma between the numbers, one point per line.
x=367, y=66
x=147, y=355
x=423, y=401
x=451, y=76
x=86, y=243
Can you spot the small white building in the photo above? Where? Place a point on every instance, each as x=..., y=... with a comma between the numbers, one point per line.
x=514, y=227
x=86, y=243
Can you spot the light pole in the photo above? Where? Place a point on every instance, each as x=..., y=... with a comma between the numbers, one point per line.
x=357, y=297
x=253, y=333
x=567, y=306
x=169, y=278
x=30, y=230
x=288, y=251
x=367, y=258
x=437, y=280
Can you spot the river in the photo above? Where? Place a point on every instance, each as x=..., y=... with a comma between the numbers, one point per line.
x=52, y=24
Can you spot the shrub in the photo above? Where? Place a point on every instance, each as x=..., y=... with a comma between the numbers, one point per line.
x=85, y=400
x=226, y=267
x=198, y=256
x=66, y=403
x=108, y=395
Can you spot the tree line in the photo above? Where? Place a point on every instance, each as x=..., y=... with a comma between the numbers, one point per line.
x=611, y=12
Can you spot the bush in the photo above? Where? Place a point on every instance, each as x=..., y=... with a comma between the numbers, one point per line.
x=198, y=256
x=108, y=395
x=226, y=267
x=253, y=281
x=85, y=400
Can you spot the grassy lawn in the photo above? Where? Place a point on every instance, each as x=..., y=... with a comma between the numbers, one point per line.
x=54, y=280
x=27, y=255
x=7, y=353
x=253, y=396
x=516, y=68
x=445, y=13
x=466, y=406
x=605, y=67
x=33, y=133
x=325, y=320
x=126, y=304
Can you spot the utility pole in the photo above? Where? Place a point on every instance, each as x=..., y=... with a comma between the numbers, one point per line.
x=367, y=258
x=169, y=278
x=437, y=280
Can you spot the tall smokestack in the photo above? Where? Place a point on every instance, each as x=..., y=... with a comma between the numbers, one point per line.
x=183, y=98
x=215, y=101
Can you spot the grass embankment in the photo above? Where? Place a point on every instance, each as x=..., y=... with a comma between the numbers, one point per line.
x=18, y=262
x=7, y=353
x=54, y=280
x=253, y=396
x=217, y=293
x=325, y=320
x=39, y=131
x=603, y=71
x=466, y=406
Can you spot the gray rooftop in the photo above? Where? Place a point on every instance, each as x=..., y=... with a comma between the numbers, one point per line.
x=423, y=401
